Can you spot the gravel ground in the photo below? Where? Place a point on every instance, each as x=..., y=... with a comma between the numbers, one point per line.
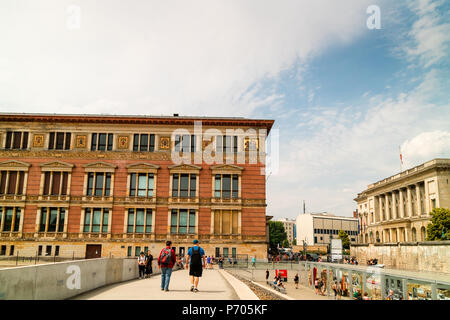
x=260, y=292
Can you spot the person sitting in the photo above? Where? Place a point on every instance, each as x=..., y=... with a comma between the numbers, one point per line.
x=280, y=283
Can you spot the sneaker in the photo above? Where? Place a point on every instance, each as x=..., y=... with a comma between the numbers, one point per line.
x=166, y=290
x=195, y=290
x=192, y=288
x=162, y=289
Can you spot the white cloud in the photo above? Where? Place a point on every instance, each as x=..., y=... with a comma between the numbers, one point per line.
x=426, y=146
x=430, y=34
x=159, y=57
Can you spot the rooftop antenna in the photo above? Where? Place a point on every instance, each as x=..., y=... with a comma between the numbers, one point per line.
x=304, y=207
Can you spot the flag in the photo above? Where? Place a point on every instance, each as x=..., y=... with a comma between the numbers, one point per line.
x=401, y=157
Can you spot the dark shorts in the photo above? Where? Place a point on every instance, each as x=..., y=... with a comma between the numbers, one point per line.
x=195, y=271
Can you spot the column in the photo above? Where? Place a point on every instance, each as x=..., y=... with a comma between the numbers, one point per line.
x=418, y=202
x=380, y=206
x=409, y=203
x=401, y=211
x=394, y=205
x=386, y=207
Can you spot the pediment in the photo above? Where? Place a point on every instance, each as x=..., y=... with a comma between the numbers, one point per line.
x=14, y=164
x=142, y=166
x=100, y=166
x=57, y=164
x=226, y=167
x=185, y=167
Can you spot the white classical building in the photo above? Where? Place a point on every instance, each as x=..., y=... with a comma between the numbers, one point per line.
x=397, y=209
x=319, y=228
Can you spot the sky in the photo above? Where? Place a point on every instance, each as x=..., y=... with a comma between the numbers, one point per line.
x=345, y=98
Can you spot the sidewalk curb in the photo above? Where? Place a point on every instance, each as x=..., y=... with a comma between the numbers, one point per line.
x=282, y=295
x=241, y=289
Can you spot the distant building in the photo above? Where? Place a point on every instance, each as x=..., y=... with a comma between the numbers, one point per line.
x=319, y=228
x=397, y=209
x=289, y=227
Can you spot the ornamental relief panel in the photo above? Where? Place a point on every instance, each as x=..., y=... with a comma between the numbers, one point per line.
x=164, y=143
x=122, y=142
x=38, y=141
x=80, y=141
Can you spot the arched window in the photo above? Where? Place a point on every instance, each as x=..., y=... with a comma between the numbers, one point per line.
x=413, y=234
x=378, y=237
x=423, y=234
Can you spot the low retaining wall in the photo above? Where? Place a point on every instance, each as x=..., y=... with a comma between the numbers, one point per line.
x=416, y=256
x=63, y=280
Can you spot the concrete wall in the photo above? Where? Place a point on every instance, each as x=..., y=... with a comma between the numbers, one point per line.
x=64, y=279
x=417, y=256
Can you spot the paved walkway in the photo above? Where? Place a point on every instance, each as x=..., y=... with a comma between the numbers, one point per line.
x=302, y=293
x=212, y=286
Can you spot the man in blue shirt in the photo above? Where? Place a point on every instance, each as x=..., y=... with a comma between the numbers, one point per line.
x=195, y=261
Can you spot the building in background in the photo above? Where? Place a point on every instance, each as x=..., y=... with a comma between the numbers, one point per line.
x=319, y=228
x=101, y=185
x=397, y=209
x=289, y=227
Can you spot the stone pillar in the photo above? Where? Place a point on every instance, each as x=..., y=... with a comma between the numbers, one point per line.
x=401, y=211
x=386, y=207
x=418, y=202
x=409, y=203
x=394, y=205
x=380, y=208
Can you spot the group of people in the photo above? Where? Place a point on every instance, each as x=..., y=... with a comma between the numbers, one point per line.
x=319, y=286
x=145, y=264
x=195, y=261
x=352, y=260
x=372, y=262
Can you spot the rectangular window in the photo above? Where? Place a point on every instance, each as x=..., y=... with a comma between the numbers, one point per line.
x=12, y=219
x=137, y=251
x=12, y=182
x=129, y=251
x=53, y=218
x=16, y=140
x=40, y=251
x=225, y=252
x=143, y=183
x=226, y=144
x=185, y=143
x=102, y=141
x=139, y=220
x=96, y=220
x=59, y=141
x=217, y=252
x=233, y=252
x=144, y=142
x=182, y=221
x=184, y=185
x=56, y=251
x=99, y=184
x=226, y=186
x=11, y=251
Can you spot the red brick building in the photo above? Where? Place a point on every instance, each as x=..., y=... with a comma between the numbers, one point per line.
x=101, y=185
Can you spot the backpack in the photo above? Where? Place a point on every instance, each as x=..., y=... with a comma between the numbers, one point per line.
x=166, y=256
x=196, y=258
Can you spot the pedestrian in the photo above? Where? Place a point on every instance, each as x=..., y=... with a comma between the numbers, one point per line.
x=366, y=296
x=148, y=264
x=208, y=261
x=141, y=265
x=335, y=289
x=166, y=261
x=296, y=281
x=267, y=275
x=340, y=290
x=316, y=285
x=195, y=260
x=253, y=262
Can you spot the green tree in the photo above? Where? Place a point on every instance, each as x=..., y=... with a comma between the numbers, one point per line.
x=285, y=243
x=345, y=240
x=277, y=234
x=294, y=243
x=439, y=228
